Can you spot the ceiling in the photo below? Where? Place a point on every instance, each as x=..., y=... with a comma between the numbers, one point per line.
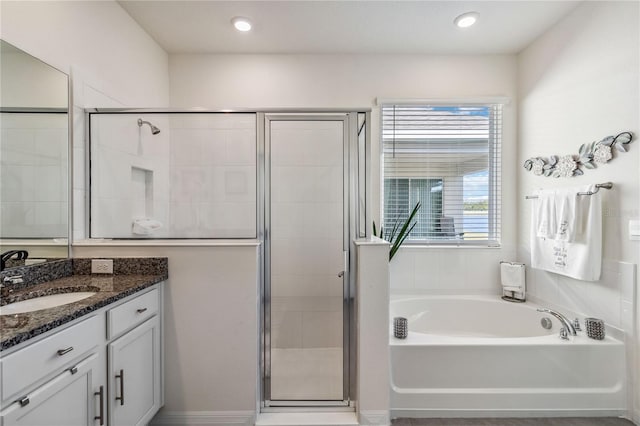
x=365, y=26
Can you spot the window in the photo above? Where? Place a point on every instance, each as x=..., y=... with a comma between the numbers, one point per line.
x=448, y=158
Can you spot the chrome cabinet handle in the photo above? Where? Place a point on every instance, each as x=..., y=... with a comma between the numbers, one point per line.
x=141, y=310
x=121, y=377
x=101, y=415
x=65, y=351
x=23, y=401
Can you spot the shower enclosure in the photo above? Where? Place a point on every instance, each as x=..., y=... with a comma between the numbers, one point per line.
x=295, y=180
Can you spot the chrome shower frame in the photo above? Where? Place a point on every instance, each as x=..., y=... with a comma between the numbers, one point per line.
x=357, y=198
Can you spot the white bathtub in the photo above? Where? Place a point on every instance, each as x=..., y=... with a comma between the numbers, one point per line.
x=482, y=356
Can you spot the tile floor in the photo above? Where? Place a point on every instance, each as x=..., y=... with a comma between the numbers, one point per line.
x=307, y=374
x=565, y=421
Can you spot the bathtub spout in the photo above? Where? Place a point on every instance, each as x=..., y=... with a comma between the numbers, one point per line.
x=564, y=320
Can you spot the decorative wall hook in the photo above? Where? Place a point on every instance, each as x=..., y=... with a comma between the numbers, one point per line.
x=589, y=156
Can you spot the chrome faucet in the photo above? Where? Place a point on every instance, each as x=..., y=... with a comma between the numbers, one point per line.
x=564, y=320
x=19, y=254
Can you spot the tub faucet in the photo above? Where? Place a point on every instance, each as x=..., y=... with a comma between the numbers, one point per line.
x=564, y=320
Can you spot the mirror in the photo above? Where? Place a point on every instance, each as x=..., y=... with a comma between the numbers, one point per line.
x=34, y=158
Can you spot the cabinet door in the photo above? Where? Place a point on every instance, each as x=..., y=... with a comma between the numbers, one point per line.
x=134, y=374
x=69, y=399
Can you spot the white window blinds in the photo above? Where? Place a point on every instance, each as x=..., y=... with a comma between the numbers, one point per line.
x=448, y=158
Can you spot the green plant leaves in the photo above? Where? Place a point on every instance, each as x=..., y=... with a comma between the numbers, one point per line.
x=399, y=232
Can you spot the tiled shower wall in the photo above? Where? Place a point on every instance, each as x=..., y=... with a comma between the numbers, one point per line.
x=197, y=177
x=33, y=181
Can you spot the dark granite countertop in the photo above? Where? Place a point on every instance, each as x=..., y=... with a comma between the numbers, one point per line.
x=17, y=328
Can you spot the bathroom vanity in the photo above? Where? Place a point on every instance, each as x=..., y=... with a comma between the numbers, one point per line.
x=98, y=361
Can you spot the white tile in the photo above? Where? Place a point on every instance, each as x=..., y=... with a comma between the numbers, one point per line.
x=307, y=304
x=286, y=329
x=50, y=147
x=574, y=295
x=51, y=184
x=628, y=281
x=428, y=270
x=465, y=270
x=79, y=168
x=111, y=218
x=18, y=146
x=186, y=147
x=227, y=220
x=546, y=285
x=306, y=284
x=322, y=329
x=312, y=373
x=79, y=214
x=214, y=147
x=49, y=213
x=238, y=183
x=626, y=318
x=17, y=183
x=183, y=219
x=402, y=270
x=240, y=147
x=187, y=184
x=78, y=128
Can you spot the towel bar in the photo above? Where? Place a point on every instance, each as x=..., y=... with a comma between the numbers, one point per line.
x=606, y=185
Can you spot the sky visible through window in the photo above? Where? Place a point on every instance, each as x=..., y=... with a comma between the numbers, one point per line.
x=475, y=220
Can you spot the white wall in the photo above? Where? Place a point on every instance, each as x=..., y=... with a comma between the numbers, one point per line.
x=578, y=83
x=355, y=81
x=97, y=37
x=111, y=60
x=211, y=327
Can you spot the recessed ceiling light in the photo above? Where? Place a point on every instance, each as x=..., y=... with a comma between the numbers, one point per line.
x=466, y=19
x=241, y=23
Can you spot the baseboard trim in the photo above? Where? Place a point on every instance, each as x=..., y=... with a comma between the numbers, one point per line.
x=374, y=418
x=204, y=418
x=433, y=413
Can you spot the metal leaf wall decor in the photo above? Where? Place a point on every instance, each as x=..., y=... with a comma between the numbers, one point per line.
x=590, y=155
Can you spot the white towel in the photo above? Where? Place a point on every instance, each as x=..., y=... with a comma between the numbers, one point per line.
x=567, y=214
x=512, y=276
x=145, y=226
x=546, y=214
x=580, y=258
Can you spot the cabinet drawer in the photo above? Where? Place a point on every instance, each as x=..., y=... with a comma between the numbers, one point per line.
x=131, y=313
x=50, y=355
x=67, y=399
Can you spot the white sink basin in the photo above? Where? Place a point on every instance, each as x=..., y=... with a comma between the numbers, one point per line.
x=44, y=302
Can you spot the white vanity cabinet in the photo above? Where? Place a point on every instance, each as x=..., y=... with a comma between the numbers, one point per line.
x=57, y=381
x=134, y=362
x=103, y=369
x=69, y=399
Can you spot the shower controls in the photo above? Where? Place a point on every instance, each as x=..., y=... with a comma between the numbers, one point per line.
x=576, y=324
x=546, y=323
x=564, y=334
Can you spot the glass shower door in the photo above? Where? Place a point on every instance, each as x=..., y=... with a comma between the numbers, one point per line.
x=306, y=262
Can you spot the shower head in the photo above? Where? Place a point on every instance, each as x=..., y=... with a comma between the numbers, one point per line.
x=154, y=129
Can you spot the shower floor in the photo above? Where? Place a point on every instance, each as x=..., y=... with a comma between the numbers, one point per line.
x=306, y=374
